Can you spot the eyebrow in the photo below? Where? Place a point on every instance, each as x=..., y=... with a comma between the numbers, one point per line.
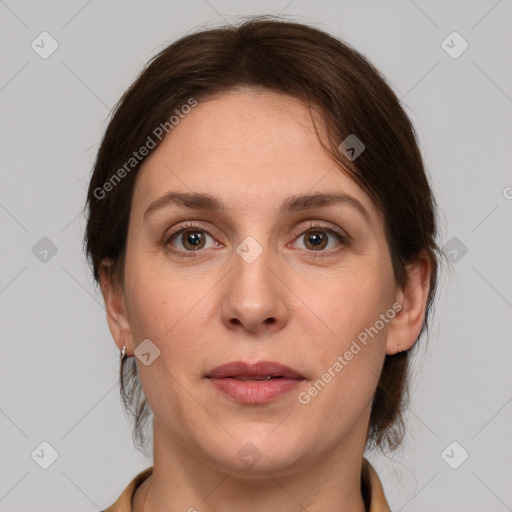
x=296, y=203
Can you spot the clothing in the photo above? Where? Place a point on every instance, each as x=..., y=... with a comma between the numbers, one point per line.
x=370, y=483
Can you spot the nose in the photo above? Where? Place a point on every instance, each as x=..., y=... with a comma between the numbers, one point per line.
x=255, y=296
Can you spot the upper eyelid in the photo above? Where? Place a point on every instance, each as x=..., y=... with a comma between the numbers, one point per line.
x=190, y=226
x=327, y=226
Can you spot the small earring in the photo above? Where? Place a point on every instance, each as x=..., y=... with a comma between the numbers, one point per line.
x=399, y=349
x=123, y=353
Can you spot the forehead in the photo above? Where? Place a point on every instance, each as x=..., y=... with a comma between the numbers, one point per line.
x=252, y=148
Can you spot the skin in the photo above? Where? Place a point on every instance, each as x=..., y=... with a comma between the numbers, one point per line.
x=295, y=305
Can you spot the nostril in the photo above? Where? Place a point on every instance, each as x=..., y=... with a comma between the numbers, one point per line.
x=270, y=320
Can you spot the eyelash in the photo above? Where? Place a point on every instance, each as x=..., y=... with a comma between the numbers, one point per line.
x=343, y=239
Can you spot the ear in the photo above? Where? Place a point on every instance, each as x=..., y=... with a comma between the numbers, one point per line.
x=117, y=315
x=406, y=325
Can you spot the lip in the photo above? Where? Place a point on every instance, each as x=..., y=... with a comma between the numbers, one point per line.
x=258, y=369
x=248, y=383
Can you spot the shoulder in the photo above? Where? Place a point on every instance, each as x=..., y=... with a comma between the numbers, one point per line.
x=374, y=490
x=124, y=502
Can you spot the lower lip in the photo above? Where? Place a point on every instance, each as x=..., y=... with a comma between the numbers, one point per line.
x=255, y=391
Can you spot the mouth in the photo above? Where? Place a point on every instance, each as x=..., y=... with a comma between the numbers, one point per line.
x=262, y=370
x=254, y=383
x=257, y=377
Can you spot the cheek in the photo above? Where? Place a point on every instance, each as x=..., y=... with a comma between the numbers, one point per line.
x=173, y=313
x=352, y=354
x=344, y=304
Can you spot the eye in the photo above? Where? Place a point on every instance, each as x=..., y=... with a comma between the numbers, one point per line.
x=191, y=238
x=319, y=238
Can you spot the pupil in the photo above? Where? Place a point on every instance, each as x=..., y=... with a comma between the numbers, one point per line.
x=316, y=239
x=194, y=239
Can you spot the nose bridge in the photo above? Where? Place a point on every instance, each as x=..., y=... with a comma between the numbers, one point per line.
x=251, y=267
x=255, y=297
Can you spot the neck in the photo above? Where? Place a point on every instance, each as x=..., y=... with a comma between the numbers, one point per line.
x=180, y=482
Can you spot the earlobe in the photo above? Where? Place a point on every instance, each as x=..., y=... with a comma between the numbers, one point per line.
x=406, y=326
x=115, y=305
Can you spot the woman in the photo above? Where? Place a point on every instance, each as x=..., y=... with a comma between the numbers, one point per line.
x=263, y=232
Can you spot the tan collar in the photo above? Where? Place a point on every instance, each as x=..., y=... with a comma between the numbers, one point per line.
x=378, y=500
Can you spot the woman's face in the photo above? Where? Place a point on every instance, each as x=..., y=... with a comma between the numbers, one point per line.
x=268, y=275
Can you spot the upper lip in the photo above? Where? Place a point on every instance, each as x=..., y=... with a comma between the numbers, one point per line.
x=258, y=369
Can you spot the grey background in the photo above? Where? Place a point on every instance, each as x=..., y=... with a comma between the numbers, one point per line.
x=59, y=365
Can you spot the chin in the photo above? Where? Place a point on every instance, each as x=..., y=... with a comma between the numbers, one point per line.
x=252, y=455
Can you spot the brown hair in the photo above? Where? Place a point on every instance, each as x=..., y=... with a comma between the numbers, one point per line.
x=352, y=98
